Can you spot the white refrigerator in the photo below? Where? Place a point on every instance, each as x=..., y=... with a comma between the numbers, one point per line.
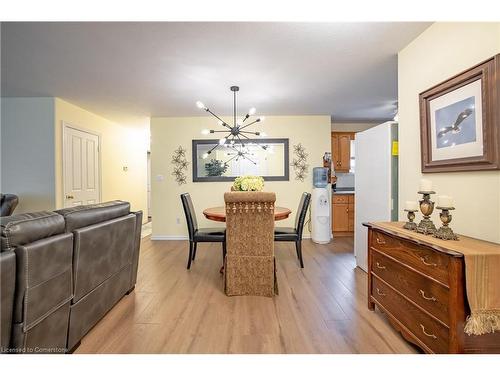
x=376, y=183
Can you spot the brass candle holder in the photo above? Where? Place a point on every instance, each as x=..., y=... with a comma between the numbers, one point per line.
x=445, y=232
x=410, y=225
x=426, y=226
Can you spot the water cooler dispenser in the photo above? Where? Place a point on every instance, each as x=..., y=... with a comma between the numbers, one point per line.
x=321, y=207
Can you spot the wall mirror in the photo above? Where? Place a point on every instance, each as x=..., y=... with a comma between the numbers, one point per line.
x=259, y=157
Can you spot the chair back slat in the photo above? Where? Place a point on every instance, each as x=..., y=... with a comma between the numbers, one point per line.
x=192, y=223
x=300, y=218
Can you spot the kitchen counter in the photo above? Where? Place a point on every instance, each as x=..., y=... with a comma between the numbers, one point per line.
x=346, y=190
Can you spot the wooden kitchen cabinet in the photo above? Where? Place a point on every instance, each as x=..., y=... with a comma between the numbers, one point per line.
x=343, y=214
x=341, y=151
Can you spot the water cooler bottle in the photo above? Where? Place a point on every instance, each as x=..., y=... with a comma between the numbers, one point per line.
x=321, y=207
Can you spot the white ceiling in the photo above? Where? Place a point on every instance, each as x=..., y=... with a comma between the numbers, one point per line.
x=129, y=71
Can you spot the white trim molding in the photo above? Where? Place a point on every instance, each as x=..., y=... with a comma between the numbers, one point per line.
x=162, y=237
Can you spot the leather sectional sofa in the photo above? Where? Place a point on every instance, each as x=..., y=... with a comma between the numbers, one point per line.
x=63, y=271
x=8, y=203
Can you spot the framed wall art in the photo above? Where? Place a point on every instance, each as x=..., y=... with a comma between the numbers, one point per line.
x=459, y=121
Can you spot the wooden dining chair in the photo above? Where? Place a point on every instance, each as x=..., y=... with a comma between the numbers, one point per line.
x=295, y=234
x=199, y=234
x=249, y=267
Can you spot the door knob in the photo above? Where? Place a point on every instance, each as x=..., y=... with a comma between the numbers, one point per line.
x=70, y=197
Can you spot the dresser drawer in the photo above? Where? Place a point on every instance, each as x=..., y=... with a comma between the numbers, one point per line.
x=421, y=258
x=431, y=296
x=428, y=330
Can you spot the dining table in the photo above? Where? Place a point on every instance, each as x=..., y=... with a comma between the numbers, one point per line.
x=219, y=213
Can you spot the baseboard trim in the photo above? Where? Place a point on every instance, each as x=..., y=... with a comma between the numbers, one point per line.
x=168, y=238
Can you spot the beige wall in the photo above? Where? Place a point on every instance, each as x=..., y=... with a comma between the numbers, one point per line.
x=353, y=127
x=121, y=146
x=167, y=133
x=440, y=52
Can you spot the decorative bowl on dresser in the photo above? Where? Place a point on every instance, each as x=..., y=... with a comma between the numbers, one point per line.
x=419, y=282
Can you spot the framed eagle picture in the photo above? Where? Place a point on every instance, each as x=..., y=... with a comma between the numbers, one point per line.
x=459, y=121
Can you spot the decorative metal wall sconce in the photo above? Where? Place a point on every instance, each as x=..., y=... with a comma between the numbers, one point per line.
x=180, y=165
x=299, y=162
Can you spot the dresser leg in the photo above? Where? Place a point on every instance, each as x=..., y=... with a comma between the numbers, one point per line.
x=371, y=305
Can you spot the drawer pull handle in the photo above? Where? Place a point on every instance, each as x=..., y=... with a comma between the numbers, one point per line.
x=380, y=242
x=379, y=266
x=380, y=293
x=427, y=298
x=425, y=333
x=427, y=263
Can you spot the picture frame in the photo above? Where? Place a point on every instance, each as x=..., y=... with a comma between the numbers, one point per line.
x=280, y=145
x=460, y=121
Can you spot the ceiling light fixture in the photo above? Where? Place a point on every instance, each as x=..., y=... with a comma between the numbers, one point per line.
x=235, y=133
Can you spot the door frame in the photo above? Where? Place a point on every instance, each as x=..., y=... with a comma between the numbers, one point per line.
x=68, y=125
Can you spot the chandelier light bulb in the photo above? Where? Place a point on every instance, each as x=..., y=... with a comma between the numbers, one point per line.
x=263, y=134
x=220, y=123
x=262, y=118
x=252, y=111
x=239, y=122
x=205, y=155
x=222, y=140
x=200, y=105
x=205, y=132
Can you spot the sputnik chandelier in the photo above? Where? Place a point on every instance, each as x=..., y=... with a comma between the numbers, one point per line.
x=235, y=135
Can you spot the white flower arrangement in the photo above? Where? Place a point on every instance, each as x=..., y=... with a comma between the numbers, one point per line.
x=248, y=183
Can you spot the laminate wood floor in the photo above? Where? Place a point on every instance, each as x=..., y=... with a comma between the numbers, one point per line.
x=320, y=309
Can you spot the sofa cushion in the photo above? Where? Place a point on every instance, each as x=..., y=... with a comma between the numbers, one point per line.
x=25, y=228
x=83, y=216
x=100, y=251
x=43, y=278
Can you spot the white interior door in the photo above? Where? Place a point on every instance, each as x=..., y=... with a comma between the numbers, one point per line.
x=81, y=167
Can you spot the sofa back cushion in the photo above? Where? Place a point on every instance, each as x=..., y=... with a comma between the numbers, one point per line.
x=83, y=216
x=43, y=278
x=8, y=203
x=25, y=228
x=100, y=251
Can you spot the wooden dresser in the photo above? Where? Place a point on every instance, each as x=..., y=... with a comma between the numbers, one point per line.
x=420, y=285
